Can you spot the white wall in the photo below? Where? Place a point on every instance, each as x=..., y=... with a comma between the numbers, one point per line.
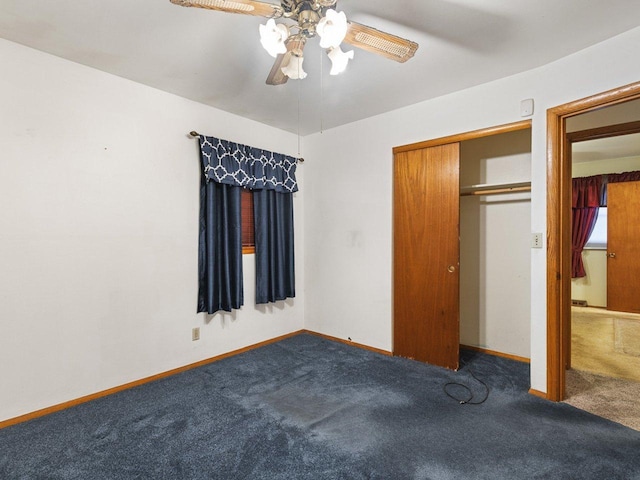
x=99, y=192
x=495, y=243
x=348, y=181
x=593, y=287
x=598, y=167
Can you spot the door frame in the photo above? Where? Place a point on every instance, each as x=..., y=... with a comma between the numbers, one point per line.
x=559, y=229
x=457, y=138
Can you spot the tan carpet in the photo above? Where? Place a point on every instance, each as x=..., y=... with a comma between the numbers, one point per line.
x=605, y=361
x=605, y=343
x=627, y=336
x=612, y=398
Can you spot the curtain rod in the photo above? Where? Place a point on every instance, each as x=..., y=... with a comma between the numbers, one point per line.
x=195, y=134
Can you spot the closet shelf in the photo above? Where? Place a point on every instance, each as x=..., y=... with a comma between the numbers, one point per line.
x=495, y=189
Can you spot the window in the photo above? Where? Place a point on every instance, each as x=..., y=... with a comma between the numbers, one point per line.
x=598, y=238
x=248, y=229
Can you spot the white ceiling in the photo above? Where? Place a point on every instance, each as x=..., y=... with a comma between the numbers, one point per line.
x=623, y=146
x=610, y=148
x=216, y=58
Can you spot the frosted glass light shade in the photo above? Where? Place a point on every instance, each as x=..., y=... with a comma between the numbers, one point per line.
x=273, y=36
x=339, y=60
x=293, y=69
x=332, y=29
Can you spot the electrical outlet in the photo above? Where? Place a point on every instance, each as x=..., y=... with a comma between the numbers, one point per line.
x=195, y=334
x=536, y=240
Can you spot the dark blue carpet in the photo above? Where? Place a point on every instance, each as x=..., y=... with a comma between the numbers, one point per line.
x=308, y=408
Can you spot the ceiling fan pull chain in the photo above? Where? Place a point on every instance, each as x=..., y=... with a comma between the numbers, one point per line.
x=299, y=83
x=321, y=92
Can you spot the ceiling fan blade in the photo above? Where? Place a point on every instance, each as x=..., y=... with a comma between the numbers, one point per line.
x=246, y=7
x=375, y=41
x=276, y=76
x=295, y=46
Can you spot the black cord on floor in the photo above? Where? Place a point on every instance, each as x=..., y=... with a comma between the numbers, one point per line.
x=466, y=401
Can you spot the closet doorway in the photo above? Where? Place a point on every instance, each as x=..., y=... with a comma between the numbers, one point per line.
x=431, y=297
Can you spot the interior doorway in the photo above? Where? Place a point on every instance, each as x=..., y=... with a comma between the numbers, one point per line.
x=609, y=272
x=601, y=154
x=603, y=377
x=559, y=194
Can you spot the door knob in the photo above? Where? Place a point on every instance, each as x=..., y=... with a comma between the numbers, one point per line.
x=611, y=255
x=451, y=268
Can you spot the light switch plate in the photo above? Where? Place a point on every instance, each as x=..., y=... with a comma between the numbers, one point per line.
x=536, y=240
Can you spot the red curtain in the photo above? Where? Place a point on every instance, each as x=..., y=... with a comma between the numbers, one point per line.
x=585, y=205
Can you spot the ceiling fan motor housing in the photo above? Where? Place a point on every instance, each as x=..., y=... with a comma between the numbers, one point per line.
x=307, y=13
x=307, y=21
x=294, y=6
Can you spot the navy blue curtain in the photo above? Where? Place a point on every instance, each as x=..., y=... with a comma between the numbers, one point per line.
x=227, y=167
x=275, y=263
x=219, y=249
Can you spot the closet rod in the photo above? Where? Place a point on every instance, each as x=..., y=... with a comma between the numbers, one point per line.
x=495, y=189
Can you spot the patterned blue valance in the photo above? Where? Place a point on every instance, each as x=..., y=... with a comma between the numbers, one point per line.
x=249, y=167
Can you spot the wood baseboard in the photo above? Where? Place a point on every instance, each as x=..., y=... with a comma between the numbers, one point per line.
x=349, y=342
x=495, y=353
x=87, y=398
x=538, y=393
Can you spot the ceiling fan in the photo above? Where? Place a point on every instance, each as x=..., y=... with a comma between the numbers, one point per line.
x=286, y=42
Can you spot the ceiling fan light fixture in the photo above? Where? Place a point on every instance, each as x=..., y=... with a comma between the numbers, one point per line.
x=339, y=60
x=273, y=36
x=293, y=69
x=332, y=28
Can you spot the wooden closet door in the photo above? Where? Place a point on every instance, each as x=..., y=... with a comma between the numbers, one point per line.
x=426, y=255
x=623, y=247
